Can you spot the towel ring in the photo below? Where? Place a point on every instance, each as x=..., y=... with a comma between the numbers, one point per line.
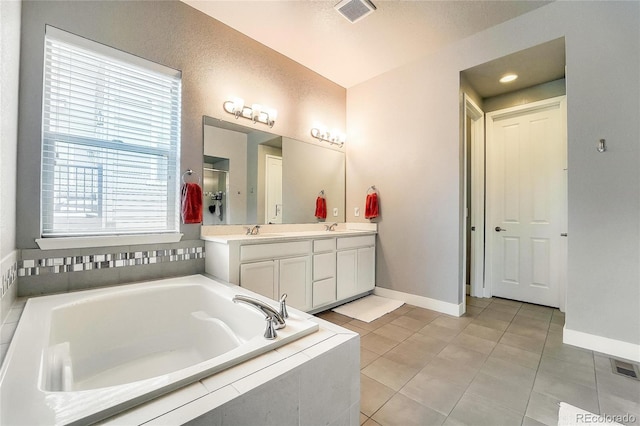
x=189, y=172
x=321, y=193
x=371, y=189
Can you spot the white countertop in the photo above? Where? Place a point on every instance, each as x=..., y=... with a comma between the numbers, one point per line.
x=275, y=233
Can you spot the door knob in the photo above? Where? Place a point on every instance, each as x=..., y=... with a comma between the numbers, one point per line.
x=498, y=229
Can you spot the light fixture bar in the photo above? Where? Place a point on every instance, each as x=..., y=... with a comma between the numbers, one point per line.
x=255, y=113
x=334, y=137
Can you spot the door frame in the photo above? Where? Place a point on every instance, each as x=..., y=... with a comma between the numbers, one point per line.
x=266, y=183
x=476, y=209
x=491, y=117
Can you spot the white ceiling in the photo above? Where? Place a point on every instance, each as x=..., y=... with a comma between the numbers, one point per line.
x=314, y=34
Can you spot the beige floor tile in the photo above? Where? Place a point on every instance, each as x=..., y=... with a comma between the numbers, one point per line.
x=507, y=393
x=516, y=355
x=543, y=409
x=527, y=331
x=478, y=301
x=409, y=323
x=367, y=357
x=427, y=343
x=474, y=343
x=454, y=323
x=538, y=314
x=504, y=369
x=421, y=314
x=439, y=332
x=438, y=394
x=510, y=309
x=483, y=332
x=472, y=311
x=475, y=411
x=410, y=353
x=394, y=332
x=377, y=343
x=371, y=422
x=463, y=356
x=572, y=393
x=403, y=411
x=541, y=324
x=568, y=370
x=450, y=370
x=530, y=344
x=491, y=323
x=373, y=395
x=490, y=313
x=363, y=418
x=390, y=373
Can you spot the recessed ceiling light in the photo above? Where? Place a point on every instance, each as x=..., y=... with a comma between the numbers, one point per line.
x=508, y=78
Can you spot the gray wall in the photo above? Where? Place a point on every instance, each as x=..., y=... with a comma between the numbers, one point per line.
x=9, y=69
x=525, y=96
x=216, y=62
x=420, y=228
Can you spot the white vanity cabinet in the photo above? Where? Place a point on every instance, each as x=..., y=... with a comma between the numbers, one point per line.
x=274, y=269
x=316, y=272
x=324, y=272
x=356, y=265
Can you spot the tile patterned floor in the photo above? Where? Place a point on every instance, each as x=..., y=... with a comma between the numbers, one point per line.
x=502, y=363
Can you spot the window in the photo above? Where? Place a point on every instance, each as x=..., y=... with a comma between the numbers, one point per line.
x=110, y=141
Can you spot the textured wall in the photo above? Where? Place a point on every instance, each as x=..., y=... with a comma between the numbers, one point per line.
x=417, y=145
x=217, y=63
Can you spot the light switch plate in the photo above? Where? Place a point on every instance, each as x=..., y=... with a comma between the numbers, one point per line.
x=356, y=211
x=335, y=211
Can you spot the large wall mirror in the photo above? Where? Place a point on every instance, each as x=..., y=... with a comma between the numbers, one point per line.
x=255, y=177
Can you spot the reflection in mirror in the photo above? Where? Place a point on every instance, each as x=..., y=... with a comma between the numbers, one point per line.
x=256, y=177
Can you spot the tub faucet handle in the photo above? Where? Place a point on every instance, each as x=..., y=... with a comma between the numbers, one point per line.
x=270, y=332
x=283, y=306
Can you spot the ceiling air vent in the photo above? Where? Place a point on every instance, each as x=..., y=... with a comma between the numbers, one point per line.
x=355, y=10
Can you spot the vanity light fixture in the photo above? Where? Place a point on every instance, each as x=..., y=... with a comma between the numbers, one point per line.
x=333, y=137
x=256, y=112
x=508, y=78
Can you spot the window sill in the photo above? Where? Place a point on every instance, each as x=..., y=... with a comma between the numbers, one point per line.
x=105, y=241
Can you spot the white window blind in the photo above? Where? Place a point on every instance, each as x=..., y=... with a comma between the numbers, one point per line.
x=110, y=141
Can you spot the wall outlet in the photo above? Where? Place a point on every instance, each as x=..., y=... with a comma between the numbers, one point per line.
x=335, y=211
x=356, y=211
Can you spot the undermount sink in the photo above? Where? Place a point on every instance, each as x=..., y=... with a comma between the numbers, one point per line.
x=263, y=235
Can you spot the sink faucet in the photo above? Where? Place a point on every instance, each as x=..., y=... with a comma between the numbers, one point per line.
x=274, y=318
x=331, y=227
x=255, y=230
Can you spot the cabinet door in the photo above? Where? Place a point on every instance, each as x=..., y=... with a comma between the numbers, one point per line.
x=346, y=273
x=295, y=280
x=366, y=269
x=260, y=277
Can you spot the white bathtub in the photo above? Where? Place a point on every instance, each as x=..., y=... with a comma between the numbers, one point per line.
x=81, y=357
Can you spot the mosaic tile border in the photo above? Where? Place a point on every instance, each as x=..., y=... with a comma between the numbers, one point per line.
x=9, y=278
x=57, y=265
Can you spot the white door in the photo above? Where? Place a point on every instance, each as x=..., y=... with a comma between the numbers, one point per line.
x=526, y=198
x=273, y=198
x=347, y=264
x=366, y=271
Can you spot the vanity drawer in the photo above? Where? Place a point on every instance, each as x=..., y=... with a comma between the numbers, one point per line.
x=328, y=244
x=324, y=292
x=324, y=266
x=353, y=242
x=274, y=250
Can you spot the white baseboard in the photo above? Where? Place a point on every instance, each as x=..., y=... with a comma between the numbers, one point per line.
x=421, y=301
x=605, y=345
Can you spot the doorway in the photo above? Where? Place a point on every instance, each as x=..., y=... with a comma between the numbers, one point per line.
x=526, y=157
x=273, y=190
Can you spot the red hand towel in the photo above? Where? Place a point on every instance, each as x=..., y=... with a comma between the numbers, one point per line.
x=321, y=208
x=191, y=203
x=371, y=206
